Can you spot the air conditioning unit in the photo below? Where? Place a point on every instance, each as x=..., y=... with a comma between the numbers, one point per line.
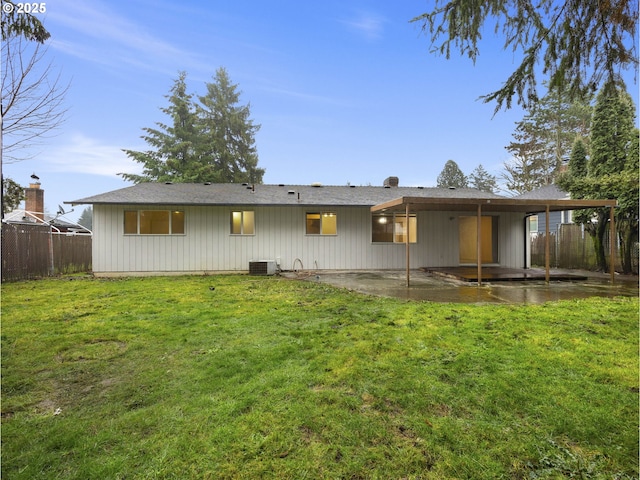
x=263, y=267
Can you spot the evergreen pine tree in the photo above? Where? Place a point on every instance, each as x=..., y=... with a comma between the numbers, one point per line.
x=212, y=141
x=543, y=140
x=173, y=147
x=611, y=172
x=482, y=180
x=451, y=176
x=578, y=159
x=229, y=133
x=86, y=218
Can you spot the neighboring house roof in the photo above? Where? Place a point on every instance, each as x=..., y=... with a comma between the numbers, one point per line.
x=269, y=195
x=545, y=193
x=24, y=217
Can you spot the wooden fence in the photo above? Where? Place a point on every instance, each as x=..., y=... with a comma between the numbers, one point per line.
x=572, y=248
x=31, y=251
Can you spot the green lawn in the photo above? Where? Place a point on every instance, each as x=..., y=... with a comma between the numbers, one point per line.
x=262, y=377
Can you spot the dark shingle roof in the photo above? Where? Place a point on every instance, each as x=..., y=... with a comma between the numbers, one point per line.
x=243, y=194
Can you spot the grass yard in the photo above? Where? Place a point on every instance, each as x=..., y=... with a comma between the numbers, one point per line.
x=262, y=377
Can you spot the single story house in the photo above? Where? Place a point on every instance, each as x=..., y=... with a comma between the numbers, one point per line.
x=167, y=228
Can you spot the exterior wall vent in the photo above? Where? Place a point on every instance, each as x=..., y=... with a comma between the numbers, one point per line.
x=262, y=267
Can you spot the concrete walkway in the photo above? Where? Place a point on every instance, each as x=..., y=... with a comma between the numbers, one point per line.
x=426, y=287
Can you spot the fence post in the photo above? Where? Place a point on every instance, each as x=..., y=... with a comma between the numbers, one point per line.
x=52, y=267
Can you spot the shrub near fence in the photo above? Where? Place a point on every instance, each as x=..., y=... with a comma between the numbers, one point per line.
x=572, y=248
x=30, y=251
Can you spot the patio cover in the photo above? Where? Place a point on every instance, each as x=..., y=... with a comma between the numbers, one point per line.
x=481, y=205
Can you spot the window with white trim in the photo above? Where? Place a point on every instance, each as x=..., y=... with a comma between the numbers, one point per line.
x=154, y=222
x=243, y=222
x=322, y=223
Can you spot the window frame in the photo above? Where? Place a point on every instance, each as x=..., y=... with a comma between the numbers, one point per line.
x=175, y=225
x=241, y=223
x=323, y=227
x=396, y=237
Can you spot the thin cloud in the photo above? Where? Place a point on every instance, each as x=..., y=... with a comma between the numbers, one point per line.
x=306, y=96
x=366, y=24
x=87, y=155
x=111, y=39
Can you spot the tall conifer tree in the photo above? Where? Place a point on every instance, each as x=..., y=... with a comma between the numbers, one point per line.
x=228, y=133
x=543, y=140
x=210, y=141
x=611, y=173
x=173, y=146
x=452, y=177
x=482, y=180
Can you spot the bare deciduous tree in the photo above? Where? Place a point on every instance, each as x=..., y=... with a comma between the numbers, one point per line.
x=32, y=98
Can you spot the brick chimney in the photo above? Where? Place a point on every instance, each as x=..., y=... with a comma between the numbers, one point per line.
x=34, y=200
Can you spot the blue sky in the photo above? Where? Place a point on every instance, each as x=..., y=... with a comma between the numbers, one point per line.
x=345, y=91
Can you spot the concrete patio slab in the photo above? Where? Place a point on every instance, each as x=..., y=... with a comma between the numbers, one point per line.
x=501, y=274
x=426, y=287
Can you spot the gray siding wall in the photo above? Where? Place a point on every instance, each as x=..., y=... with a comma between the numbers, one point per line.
x=207, y=245
x=555, y=219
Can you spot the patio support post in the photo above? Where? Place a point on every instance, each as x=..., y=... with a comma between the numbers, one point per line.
x=479, y=242
x=407, y=242
x=612, y=246
x=547, y=255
